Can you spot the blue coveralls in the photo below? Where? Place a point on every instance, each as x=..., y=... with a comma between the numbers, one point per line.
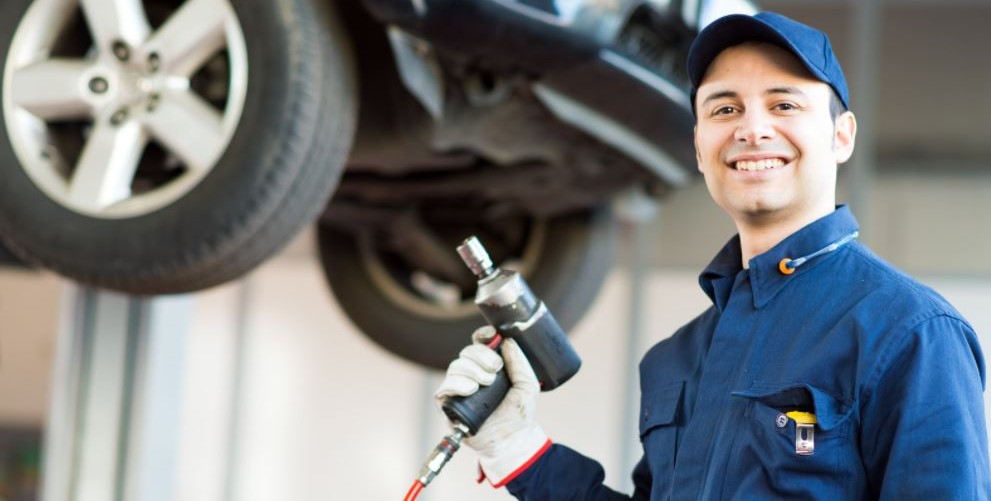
x=893, y=374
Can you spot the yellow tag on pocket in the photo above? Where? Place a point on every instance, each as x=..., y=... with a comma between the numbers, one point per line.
x=802, y=417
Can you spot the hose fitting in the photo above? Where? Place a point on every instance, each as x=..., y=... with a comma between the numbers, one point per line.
x=442, y=454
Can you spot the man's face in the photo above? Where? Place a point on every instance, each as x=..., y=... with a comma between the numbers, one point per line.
x=765, y=140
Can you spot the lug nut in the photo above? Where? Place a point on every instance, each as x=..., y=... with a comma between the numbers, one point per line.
x=119, y=117
x=99, y=85
x=154, y=62
x=153, y=101
x=121, y=50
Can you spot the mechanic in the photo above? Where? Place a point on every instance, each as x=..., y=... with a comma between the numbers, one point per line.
x=819, y=371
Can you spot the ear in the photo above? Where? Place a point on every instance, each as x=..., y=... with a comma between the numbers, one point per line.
x=845, y=135
x=695, y=140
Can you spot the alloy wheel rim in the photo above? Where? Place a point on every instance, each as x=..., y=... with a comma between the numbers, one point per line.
x=137, y=88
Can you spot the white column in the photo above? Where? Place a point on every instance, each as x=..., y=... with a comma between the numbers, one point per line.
x=113, y=425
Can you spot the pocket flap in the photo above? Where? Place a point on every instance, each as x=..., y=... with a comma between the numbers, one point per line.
x=660, y=406
x=830, y=410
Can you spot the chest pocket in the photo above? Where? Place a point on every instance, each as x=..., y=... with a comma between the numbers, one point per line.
x=660, y=415
x=765, y=451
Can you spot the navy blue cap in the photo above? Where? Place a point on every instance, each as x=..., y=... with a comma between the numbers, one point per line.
x=810, y=45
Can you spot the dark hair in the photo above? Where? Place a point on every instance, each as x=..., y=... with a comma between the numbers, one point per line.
x=836, y=107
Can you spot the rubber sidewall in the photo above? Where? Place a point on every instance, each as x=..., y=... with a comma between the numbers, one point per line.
x=166, y=250
x=577, y=253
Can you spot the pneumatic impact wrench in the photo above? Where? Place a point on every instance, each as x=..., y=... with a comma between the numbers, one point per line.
x=508, y=305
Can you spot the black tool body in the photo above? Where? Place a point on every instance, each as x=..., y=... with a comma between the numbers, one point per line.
x=508, y=304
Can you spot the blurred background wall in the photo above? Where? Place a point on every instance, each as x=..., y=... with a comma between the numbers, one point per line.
x=283, y=399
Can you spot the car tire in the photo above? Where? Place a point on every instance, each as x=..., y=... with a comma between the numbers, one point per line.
x=569, y=261
x=285, y=154
x=8, y=259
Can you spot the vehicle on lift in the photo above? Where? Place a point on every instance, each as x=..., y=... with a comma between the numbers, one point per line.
x=165, y=146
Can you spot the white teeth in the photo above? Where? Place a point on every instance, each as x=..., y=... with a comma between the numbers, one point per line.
x=755, y=165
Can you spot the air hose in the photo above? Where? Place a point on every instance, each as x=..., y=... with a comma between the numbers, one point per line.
x=511, y=308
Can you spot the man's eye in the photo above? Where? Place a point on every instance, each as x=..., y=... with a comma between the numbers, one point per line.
x=724, y=110
x=785, y=106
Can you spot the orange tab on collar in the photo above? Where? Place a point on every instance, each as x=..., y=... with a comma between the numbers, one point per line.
x=783, y=267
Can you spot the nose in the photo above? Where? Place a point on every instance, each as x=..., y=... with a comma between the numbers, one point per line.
x=754, y=128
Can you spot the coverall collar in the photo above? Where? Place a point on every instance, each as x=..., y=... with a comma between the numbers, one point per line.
x=766, y=279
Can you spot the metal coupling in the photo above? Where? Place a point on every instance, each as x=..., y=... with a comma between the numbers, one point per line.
x=442, y=454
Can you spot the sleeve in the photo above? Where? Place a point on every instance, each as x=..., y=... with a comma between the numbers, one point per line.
x=923, y=431
x=564, y=474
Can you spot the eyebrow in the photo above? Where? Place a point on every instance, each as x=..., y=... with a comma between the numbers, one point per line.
x=773, y=90
x=719, y=95
x=785, y=90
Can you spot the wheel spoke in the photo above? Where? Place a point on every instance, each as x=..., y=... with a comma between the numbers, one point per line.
x=189, y=128
x=116, y=20
x=191, y=36
x=52, y=89
x=107, y=165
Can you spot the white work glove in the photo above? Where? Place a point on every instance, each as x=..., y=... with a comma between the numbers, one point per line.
x=510, y=440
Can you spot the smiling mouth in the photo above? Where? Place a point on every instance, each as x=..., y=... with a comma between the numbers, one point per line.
x=759, y=165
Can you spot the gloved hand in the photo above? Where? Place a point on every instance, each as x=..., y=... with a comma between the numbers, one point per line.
x=510, y=440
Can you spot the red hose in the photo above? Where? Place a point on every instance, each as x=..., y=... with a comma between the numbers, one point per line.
x=414, y=491
x=445, y=446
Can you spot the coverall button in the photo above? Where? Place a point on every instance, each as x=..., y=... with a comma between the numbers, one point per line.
x=782, y=421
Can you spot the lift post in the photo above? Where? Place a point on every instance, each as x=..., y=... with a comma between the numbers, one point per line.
x=113, y=424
